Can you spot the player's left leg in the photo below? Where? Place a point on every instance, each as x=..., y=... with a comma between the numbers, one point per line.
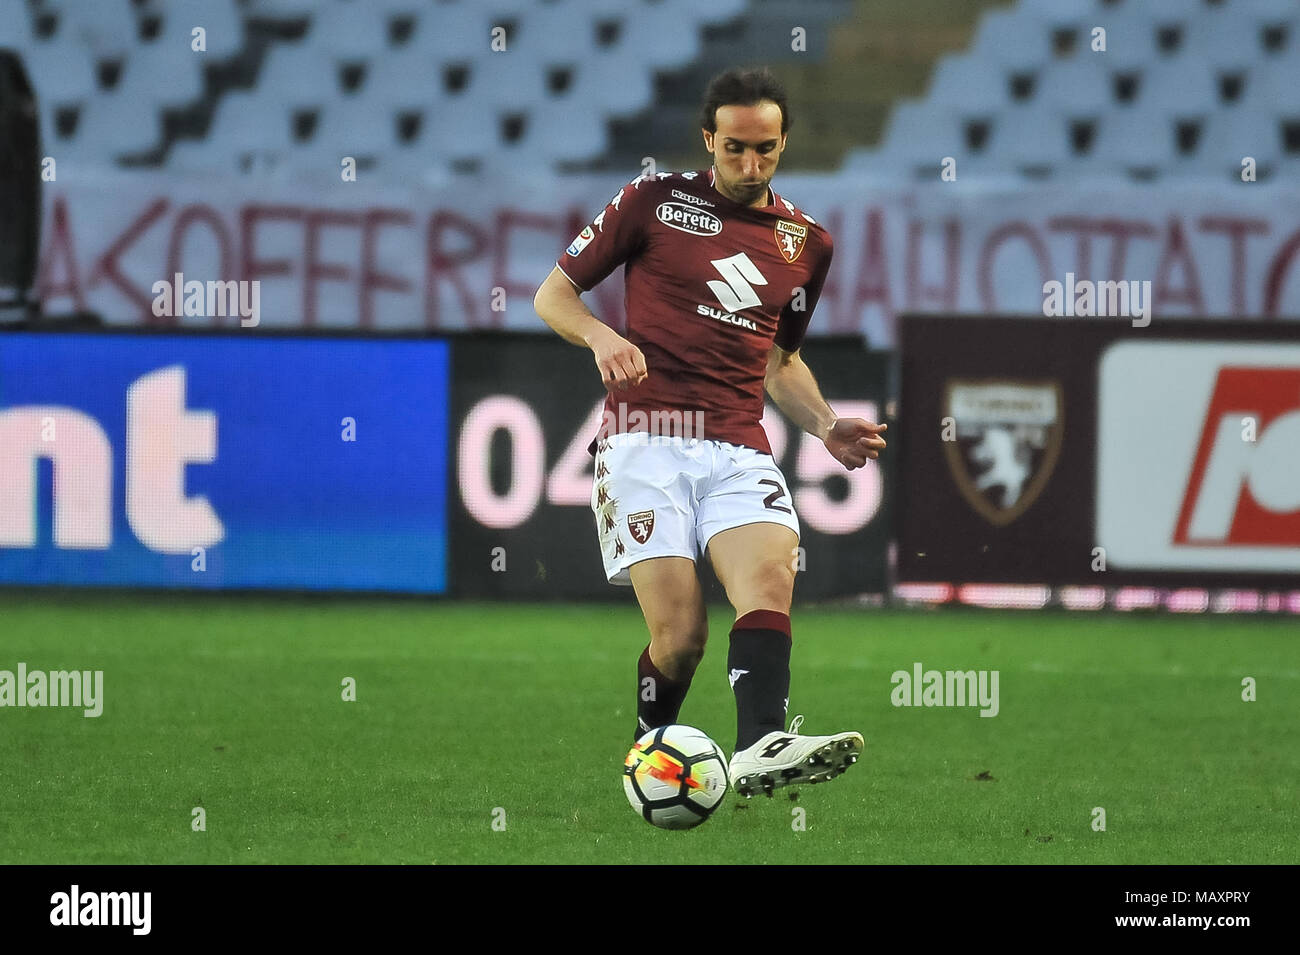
x=755, y=563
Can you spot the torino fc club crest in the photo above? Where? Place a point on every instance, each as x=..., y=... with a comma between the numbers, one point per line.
x=790, y=238
x=642, y=525
x=1004, y=444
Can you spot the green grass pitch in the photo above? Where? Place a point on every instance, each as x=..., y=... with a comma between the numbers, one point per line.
x=234, y=704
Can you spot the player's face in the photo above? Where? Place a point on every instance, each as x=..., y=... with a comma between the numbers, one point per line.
x=746, y=149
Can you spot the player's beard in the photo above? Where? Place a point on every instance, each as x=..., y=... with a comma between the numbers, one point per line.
x=739, y=191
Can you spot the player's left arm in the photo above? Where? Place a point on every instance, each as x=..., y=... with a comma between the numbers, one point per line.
x=790, y=382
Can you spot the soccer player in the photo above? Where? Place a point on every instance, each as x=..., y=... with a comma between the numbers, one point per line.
x=722, y=275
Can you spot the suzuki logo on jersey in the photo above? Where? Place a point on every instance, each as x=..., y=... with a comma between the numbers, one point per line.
x=790, y=239
x=1242, y=491
x=737, y=292
x=683, y=218
x=718, y=314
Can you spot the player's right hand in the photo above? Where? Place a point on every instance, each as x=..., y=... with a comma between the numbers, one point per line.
x=620, y=362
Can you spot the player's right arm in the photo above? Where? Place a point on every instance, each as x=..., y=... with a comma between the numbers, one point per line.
x=614, y=237
x=558, y=304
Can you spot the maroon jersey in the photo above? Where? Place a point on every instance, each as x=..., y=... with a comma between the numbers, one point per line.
x=710, y=285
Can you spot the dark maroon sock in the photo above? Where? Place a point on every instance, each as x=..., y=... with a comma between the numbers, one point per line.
x=658, y=699
x=758, y=666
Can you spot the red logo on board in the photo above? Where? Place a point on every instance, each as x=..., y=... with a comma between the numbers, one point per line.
x=1244, y=488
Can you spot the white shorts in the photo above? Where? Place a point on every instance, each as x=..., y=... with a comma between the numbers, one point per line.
x=662, y=496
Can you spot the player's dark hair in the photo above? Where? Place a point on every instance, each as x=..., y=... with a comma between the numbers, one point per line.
x=739, y=87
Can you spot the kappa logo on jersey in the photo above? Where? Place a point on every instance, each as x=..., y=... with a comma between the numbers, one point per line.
x=790, y=239
x=582, y=241
x=686, y=219
x=1008, y=437
x=694, y=200
x=1243, y=492
x=641, y=525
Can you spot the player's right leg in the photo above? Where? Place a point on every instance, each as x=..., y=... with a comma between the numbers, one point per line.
x=668, y=589
x=644, y=498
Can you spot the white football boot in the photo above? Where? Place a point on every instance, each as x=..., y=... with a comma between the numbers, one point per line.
x=782, y=759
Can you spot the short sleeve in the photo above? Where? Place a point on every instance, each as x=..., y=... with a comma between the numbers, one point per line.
x=613, y=237
x=793, y=323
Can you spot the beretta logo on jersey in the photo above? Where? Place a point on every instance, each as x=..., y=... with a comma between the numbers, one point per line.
x=580, y=243
x=790, y=238
x=642, y=525
x=1006, y=442
x=685, y=219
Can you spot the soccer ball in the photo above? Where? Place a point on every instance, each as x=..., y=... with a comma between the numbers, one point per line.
x=675, y=776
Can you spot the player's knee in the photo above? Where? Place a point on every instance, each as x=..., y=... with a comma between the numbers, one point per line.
x=683, y=639
x=771, y=585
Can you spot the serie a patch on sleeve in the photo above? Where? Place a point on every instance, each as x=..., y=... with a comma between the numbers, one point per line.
x=580, y=243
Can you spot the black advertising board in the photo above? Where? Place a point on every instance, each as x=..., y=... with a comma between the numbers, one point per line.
x=525, y=408
x=1092, y=451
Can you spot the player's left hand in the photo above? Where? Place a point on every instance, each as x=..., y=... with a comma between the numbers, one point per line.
x=851, y=441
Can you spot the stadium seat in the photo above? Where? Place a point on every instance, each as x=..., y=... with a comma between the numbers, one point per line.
x=1272, y=85
x=15, y=26
x=1012, y=41
x=557, y=132
x=454, y=32
x=1231, y=135
x=966, y=84
x=404, y=79
x=1081, y=86
x=1053, y=12
x=510, y=79
x=356, y=129
x=113, y=126
x=918, y=136
x=220, y=19
x=459, y=129
x=1163, y=11
x=555, y=32
x=349, y=31
x=1031, y=140
x=246, y=134
x=661, y=40
x=299, y=74
x=60, y=72
x=1224, y=39
x=1180, y=87
x=282, y=9
x=604, y=80
x=1129, y=141
x=139, y=78
x=1130, y=42
x=1265, y=11
x=108, y=28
